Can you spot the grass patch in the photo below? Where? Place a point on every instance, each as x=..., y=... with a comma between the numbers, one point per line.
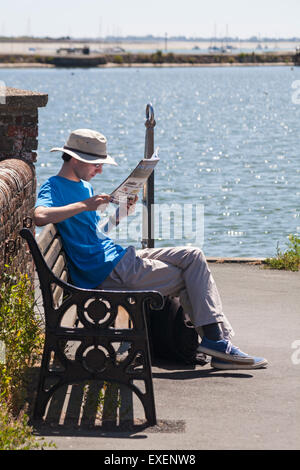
x=289, y=259
x=21, y=340
x=15, y=432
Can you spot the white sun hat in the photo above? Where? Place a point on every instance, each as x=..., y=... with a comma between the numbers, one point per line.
x=87, y=146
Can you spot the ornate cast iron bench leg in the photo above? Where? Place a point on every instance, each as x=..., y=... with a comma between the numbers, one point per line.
x=95, y=358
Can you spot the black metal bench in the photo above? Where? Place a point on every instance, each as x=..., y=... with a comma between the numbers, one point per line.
x=95, y=328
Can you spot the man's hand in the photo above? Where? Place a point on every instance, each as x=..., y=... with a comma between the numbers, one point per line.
x=131, y=203
x=98, y=202
x=122, y=211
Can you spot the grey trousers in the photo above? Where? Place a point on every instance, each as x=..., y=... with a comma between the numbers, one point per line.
x=177, y=272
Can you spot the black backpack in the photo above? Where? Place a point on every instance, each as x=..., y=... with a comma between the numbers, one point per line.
x=172, y=337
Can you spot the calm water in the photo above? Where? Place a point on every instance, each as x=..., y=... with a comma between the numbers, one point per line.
x=228, y=138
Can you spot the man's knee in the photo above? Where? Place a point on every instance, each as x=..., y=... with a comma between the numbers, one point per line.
x=195, y=252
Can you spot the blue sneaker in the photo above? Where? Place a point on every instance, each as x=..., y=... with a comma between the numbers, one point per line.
x=259, y=363
x=224, y=349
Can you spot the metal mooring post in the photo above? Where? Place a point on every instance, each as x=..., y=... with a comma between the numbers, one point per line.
x=148, y=193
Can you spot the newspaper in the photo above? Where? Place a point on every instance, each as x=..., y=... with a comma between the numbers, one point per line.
x=132, y=185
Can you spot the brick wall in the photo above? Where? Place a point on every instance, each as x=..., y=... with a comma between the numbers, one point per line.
x=18, y=145
x=17, y=198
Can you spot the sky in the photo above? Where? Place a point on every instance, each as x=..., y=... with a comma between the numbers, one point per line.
x=100, y=18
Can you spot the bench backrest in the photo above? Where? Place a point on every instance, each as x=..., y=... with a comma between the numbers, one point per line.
x=50, y=244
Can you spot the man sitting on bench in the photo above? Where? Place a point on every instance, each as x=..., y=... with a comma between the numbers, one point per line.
x=95, y=261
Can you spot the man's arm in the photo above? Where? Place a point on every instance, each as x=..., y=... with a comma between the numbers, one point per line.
x=47, y=215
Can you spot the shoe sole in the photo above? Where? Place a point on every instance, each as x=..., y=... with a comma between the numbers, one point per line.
x=225, y=357
x=235, y=365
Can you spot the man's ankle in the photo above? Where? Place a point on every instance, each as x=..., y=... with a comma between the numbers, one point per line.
x=213, y=331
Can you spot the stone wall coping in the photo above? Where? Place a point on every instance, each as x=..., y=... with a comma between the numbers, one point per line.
x=17, y=98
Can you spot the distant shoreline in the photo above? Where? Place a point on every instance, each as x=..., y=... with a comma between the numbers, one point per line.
x=22, y=65
x=83, y=58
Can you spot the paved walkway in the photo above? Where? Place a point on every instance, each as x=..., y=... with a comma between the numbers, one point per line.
x=202, y=408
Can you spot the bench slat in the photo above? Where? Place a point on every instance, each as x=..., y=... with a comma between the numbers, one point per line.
x=45, y=239
x=60, y=265
x=58, y=291
x=53, y=252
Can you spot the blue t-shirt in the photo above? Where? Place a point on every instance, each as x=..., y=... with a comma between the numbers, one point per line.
x=91, y=255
